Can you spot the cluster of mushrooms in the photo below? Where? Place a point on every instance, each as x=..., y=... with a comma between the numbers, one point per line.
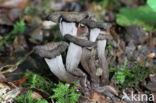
x=84, y=44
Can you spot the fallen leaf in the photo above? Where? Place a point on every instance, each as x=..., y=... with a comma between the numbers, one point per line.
x=20, y=82
x=140, y=59
x=7, y=92
x=21, y=4
x=36, y=95
x=98, y=98
x=119, y=53
x=8, y=68
x=151, y=55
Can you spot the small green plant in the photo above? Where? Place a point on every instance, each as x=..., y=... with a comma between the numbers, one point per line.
x=65, y=94
x=36, y=81
x=19, y=27
x=3, y=40
x=28, y=98
x=152, y=4
x=143, y=16
x=121, y=73
x=131, y=78
x=140, y=72
x=57, y=38
x=110, y=45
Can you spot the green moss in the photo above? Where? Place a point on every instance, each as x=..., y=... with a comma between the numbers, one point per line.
x=140, y=72
x=65, y=94
x=28, y=98
x=130, y=78
x=36, y=81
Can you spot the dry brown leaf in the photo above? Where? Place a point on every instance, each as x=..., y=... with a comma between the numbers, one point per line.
x=140, y=59
x=21, y=4
x=114, y=34
x=8, y=68
x=98, y=98
x=20, y=82
x=8, y=92
x=151, y=55
x=119, y=53
x=36, y=95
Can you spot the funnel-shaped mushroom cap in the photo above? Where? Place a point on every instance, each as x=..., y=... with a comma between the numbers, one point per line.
x=70, y=16
x=51, y=50
x=80, y=42
x=95, y=28
x=93, y=24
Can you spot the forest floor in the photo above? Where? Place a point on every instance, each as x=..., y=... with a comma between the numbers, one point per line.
x=130, y=52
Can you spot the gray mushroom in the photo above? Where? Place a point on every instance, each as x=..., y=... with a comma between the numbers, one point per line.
x=95, y=29
x=82, y=40
x=70, y=16
x=74, y=51
x=53, y=57
x=101, y=44
x=78, y=41
x=93, y=24
x=67, y=24
x=51, y=52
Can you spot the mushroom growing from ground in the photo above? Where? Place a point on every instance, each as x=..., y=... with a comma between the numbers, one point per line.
x=95, y=29
x=67, y=24
x=52, y=54
x=81, y=31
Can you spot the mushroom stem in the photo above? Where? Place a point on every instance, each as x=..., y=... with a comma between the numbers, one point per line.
x=68, y=28
x=87, y=61
x=73, y=59
x=94, y=34
x=103, y=62
x=57, y=67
